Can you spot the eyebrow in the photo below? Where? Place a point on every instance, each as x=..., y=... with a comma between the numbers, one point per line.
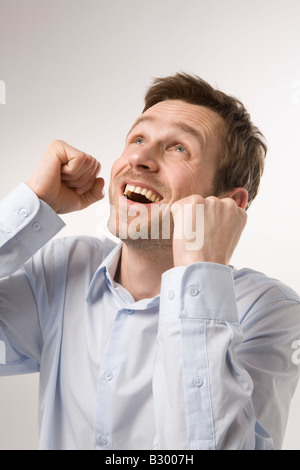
x=180, y=125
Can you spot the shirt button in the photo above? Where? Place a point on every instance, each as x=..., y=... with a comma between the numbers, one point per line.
x=171, y=294
x=23, y=213
x=36, y=226
x=130, y=312
x=193, y=291
x=108, y=375
x=197, y=382
x=103, y=440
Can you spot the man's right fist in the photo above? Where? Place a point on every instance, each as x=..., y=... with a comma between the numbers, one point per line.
x=66, y=178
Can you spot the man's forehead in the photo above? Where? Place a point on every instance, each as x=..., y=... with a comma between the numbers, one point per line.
x=180, y=111
x=197, y=120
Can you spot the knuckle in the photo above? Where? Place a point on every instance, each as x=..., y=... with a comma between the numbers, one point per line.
x=212, y=199
x=57, y=143
x=196, y=199
x=230, y=203
x=212, y=202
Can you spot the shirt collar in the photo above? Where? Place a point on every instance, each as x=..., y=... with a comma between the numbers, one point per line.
x=106, y=270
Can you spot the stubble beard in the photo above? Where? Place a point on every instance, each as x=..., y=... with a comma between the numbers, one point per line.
x=156, y=233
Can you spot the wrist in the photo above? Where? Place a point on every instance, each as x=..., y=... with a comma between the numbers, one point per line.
x=191, y=257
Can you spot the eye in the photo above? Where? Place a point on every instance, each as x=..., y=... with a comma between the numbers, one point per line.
x=135, y=139
x=180, y=149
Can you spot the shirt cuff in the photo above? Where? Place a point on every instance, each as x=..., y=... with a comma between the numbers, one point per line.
x=200, y=290
x=27, y=219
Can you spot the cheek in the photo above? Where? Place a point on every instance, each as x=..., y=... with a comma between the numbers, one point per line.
x=186, y=181
x=113, y=183
x=116, y=168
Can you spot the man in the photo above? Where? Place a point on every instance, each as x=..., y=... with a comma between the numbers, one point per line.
x=156, y=342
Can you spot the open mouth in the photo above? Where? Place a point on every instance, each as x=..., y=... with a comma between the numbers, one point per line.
x=140, y=194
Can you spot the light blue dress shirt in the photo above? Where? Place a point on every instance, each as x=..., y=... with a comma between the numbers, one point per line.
x=207, y=364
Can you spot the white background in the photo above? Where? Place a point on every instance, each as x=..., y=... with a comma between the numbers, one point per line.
x=77, y=70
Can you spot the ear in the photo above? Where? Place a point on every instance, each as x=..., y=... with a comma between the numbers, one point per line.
x=240, y=196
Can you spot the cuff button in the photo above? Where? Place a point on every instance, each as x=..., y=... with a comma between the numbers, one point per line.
x=36, y=226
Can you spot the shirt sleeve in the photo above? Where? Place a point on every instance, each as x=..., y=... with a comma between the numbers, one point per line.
x=203, y=391
x=26, y=224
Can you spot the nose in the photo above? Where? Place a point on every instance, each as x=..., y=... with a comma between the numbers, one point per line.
x=144, y=157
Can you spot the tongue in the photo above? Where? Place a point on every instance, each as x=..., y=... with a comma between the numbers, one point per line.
x=138, y=198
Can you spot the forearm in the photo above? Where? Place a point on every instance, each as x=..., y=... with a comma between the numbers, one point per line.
x=26, y=225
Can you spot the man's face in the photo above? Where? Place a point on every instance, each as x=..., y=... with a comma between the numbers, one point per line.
x=171, y=152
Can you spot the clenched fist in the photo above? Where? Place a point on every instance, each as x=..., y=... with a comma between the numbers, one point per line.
x=224, y=221
x=66, y=178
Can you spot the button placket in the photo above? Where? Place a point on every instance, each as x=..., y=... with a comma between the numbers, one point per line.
x=197, y=382
x=108, y=375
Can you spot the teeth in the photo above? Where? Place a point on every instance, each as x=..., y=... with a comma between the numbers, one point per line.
x=149, y=195
x=139, y=190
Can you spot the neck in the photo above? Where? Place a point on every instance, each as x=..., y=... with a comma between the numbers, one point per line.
x=140, y=270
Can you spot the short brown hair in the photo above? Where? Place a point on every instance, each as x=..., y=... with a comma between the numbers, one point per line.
x=242, y=162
